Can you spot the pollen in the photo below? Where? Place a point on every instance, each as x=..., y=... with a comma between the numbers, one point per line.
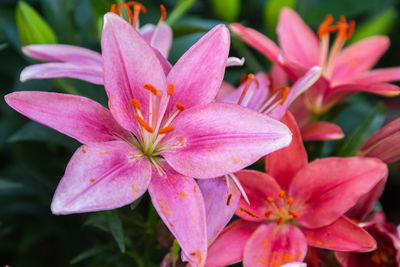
x=83, y=150
x=270, y=199
x=248, y=212
x=289, y=201
x=171, y=89
x=180, y=107
x=279, y=221
x=282, y=194
x=167, y=129
x=163, y=13
x=325, y=26
x=136, y=103
x=293, y=213
x=92, y=180
x=151, y=88
x=144, y=124
x=284, y=94
x=268, y=214
x=228, y=201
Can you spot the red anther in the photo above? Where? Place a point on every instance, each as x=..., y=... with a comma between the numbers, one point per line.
x=289, y=201
x=279, y=221
x=284, y=94
x=228, y=201
x=350, y=29
x=180, y=107
x=243, y=78
x=151, y=88
x=271, y=81
x=325, y=26
x=171, y=89
x=268, y=214
x=144, y=124
x=167, y=129
x=270, y=199
x=137, y=5
x=136, y=103
x=113, y=9
x=293, y=213
x=342, y=19
x=282, y=194
x=163, y=13
x=248, y=212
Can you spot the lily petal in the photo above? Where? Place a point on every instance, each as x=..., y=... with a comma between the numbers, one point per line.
x=88, y=73
x=379, y=76
x=258, y=186
x=342, y=235
x=321, y=131
x=286, y=162
x=358, y=58
x=76, y=116
x=198, y=74
x=278, y=77
x=333, y=186
x=298, y=41
x=220, y=203
x=383, y=89
x=228, y=248
x=273, y=245
x=225, y=90
x=101, y=176
x=163, y=40
x=129, y=63
x=178, y=201
x=216, y=139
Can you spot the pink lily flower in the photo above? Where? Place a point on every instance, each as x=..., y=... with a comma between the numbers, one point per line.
x=297, y=205
x=84, y=64
x=345, y=71
x=384, y=144
x=177, y=133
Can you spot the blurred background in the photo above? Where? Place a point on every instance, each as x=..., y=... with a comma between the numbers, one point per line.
x=33, y=157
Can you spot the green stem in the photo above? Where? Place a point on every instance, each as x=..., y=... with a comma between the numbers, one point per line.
x=65, y=88
x=179, y=10
x=314, y=117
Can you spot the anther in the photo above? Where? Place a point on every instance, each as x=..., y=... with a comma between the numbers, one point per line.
x=136, y=103
x=293, y=213
x=282, y=194
x=350, y=29
x=250, y=78
x=167, y=129
x=279, y=221
x=180, y=107
x=325, y=26
x=268, y=214
x=171, y=89
x=144, y=124
x=270, y=199
x=137, y=5
x=289, y=201
x=113, y=8
x=228, y=201
x=151, y=88
x=284, y=94
x=249, y=212
x=163, y=13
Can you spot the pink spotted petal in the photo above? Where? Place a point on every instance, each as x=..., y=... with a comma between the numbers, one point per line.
x=101, y=176
x=76, y=116
x=258, y=41
x=341, y=235
x=297, y=40
x=92, y=74
x=384, y=144
x=358, y=58
x=228, y=247
x=286, y=162
x=273, y=245
x=220, y=203
x=63, y=53
x=179, y=202
x=258, y=187
x=198, y=74
x=379, y=76
x=216, y=139
x=163, y=40
x=129, y=63
x=321, y=131
x=333, y=186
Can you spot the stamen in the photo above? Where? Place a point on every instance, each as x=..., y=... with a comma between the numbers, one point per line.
x=350, y=29
x=248, y=212
x=180, y=107
x=151, y=88
x=136, y=103
x=137, y=8
x=144, y=124
x=171, y=89
x=268, y=214
x=113, y=9
x=282, y=194
x=167, y=129
x=293, y=213
x=250, y=78
x=279, y=221
x=270, y=199
x=228, y=201
x=325, y=25
x=289, y=201
x=162, y=19
x=163, y=13
x=284, y=94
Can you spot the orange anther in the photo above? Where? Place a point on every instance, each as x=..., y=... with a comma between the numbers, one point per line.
x=136, y=103
x=167, y=129
x=282, y=194
x=289, y=200
x=180, y=107
x=137, y=5
x=113, y=8
x=92, y=180
x=228, y=201
x=250, y=77
x=243, y=78
x=83, y=150
x=151, y=88
x=163, y=13
x=270, y=199
x=268, y=214
x=350, y=29
x=293, y=213
x=325, y=26
x=144, y=124
x=128, y=11
x=279, y=221
x=248, y=212
x=284, y=94
x=171, y=89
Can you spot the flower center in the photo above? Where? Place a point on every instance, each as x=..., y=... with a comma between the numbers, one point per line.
x=153, y=128
x=280, y=211
x=383, y=256
x=344, y=32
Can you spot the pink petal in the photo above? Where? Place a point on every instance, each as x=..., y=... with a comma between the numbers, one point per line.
x=297, y=40
x=384, y=144
x=198, y=74
x=220, y=203
x=274, y=245
x=333, y=186
x=300, y=112
x=228, y=247
x=63, y=53
x=129, y=63
x=76, y=116
x=286, y=162
x=258, y=186
x=163, y=40
x=216, y=139
x=379, y=76
x=178, y=201
x=257, y=40
x=278, y=76
x=358, y=58
x=225, y=90
x=101, y=176
x=342, y=235
x=92, y=74
x=295, y=264
x=321, y=131
x=383, y=89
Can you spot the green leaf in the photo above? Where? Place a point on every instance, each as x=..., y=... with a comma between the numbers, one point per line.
x=179, y=10
x=367, y=127
x=272, y=9
x=3, y=46
x=227, y=10
x=32, y=28
x=115, y=225
x=89, y=253
x=7, y=184
x=380, y=24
